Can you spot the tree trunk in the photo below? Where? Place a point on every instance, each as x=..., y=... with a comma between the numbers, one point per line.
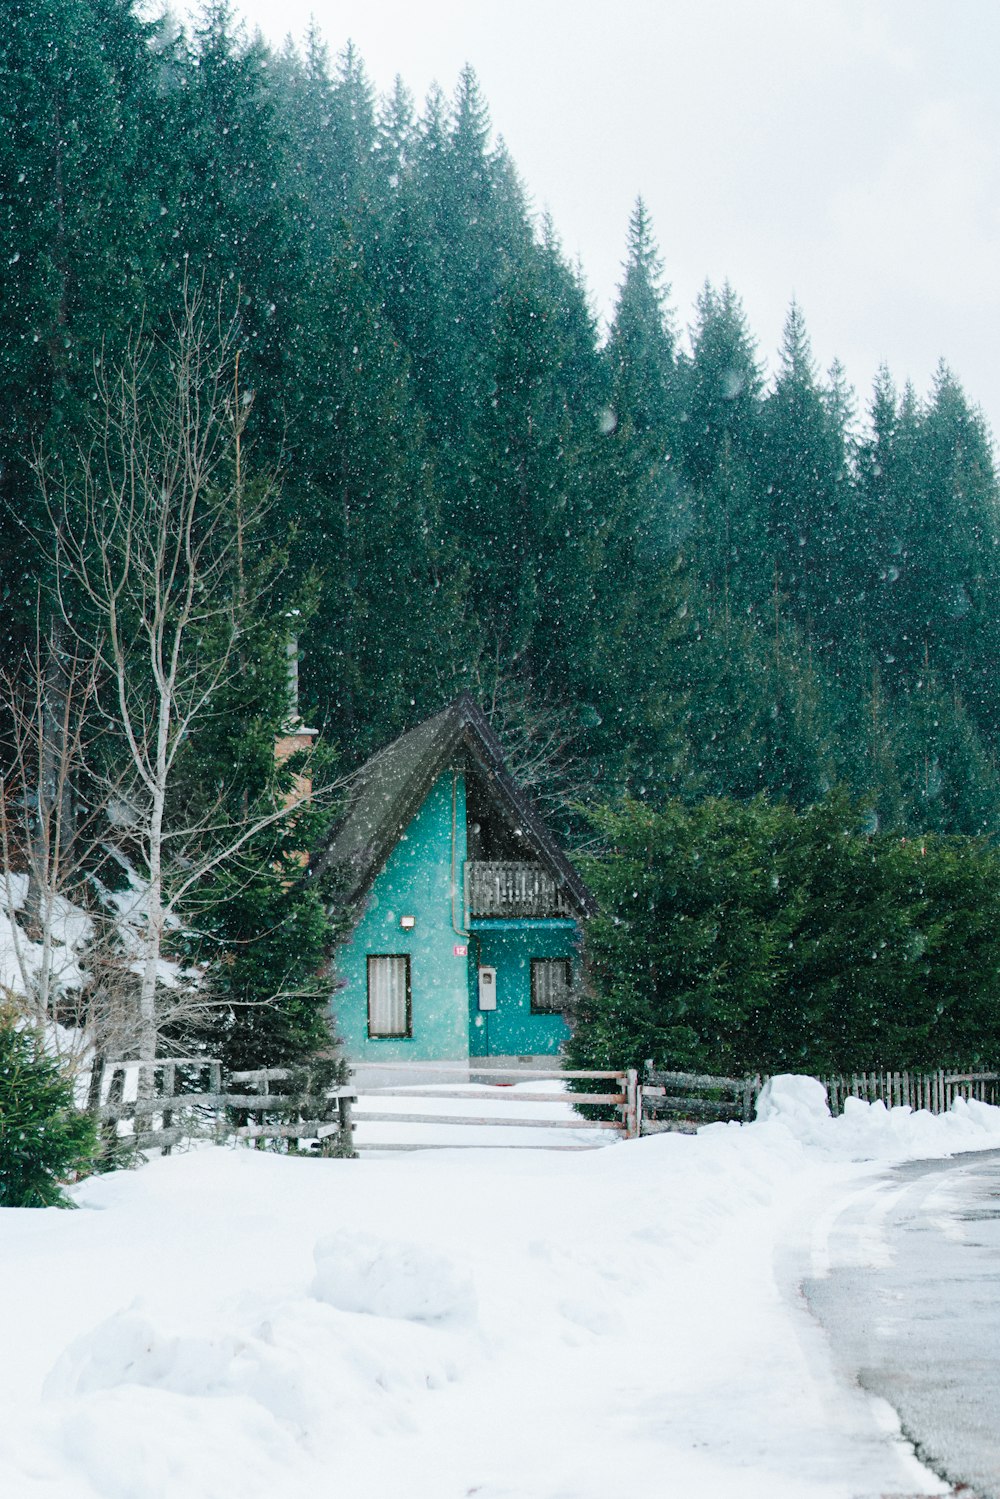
x=153, y=945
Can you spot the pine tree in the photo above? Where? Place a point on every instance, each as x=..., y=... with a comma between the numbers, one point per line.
x=539, y=550
x=949, y=778
x=638, y=669
x=722, y=386
x=77, y=218
x=760, y=716
x=391, y=632
x=233, y=214
x=960, y=538
x=329, y=124
x=805, y=468
x=260, y=930
x=458, y=231
x=44, y=1139
x=641, y=344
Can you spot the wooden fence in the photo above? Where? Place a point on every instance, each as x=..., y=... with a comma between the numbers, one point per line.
x=671, y=1100
x=683, y=1100
x=624, y=1097
x=193, y=1098
x=935, y=1091
x=240, y=1105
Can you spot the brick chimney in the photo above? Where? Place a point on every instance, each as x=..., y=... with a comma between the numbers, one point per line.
x=295, y=735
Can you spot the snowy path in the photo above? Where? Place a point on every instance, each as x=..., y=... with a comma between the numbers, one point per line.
x=504, y=1324
x=909, y=1272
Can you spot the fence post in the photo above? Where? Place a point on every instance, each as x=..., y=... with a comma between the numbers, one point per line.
x=116, y=1089
x=94, y=1090
x=216, y=1089
x=144, y=1106
x=169, y=1088
x=265, y=1088
x=345, y=1134
x=632, y=1121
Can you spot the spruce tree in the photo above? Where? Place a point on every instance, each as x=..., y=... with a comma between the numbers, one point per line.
x=391, y=633
x=722, y=386
x=805, y=468
x=539, y=540
x=78, y=221
x=639, y=666
x=959, y=534
x=233, y=212
x=44, y=1138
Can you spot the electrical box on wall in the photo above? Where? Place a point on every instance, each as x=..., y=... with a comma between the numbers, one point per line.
x=487, y=988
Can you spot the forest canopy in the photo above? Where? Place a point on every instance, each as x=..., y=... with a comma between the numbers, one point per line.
x=715, y=582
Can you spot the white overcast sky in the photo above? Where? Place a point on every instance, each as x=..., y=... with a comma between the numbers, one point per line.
x=844, y=152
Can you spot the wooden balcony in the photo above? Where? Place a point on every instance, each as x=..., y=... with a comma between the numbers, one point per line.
x=500, y=887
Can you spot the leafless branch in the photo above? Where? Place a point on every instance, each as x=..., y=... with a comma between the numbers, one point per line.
x=149, y=531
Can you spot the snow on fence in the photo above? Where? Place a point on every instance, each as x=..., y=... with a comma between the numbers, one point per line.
x=234, y=1104
x=244, y=1105
x=625, y=1098
x=683, y=1100
x=935, y=1091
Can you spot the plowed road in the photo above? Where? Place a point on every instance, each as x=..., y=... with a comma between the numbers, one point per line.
x=906, y=1280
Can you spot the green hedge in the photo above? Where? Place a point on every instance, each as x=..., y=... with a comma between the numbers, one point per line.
x=742, y=937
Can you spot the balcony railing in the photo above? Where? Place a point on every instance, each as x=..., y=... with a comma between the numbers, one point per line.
x=500, y=887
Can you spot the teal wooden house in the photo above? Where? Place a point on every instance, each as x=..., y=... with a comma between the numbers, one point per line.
x=466, y=915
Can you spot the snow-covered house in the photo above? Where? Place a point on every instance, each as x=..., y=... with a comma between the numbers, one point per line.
x=465, y=937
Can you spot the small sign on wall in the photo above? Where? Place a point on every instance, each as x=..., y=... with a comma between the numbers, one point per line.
x=460, y=950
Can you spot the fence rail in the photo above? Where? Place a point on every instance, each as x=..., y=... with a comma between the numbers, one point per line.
x=625, y=1099
x=164, y=1116
x=672, y=1099
x=663, y=1100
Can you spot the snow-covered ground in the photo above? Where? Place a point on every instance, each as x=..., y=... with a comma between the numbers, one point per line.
x=447, y=1324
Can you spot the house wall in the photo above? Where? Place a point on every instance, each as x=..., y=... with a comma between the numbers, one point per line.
x=511, y=1029
x=416, y=881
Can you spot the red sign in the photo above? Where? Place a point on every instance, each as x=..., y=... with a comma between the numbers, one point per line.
x=461, y=951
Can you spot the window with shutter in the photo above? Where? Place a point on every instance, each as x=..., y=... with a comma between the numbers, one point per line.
x=550, y=985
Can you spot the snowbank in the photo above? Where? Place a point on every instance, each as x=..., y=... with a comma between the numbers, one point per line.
x=798, y=1106
x=514, y=1325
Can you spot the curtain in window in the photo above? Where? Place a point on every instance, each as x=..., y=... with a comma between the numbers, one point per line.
x=387, y=986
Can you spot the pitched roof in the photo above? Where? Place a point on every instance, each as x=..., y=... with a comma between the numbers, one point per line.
x=389, y=790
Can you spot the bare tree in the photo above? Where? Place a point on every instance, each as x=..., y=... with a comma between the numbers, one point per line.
x=540, y=734
x=48, y=830
x=149, y=530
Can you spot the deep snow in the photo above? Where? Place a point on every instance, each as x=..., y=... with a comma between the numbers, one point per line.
x=504, y=1324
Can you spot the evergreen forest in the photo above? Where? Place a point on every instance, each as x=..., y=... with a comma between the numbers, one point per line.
x=676, y=570
x=686, y=575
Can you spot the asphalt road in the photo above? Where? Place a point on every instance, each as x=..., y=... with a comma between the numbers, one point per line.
x=910, y=1299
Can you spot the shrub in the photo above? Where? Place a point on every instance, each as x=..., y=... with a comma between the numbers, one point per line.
x=44, y=1138
x=736, y=938
x=681, y=956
